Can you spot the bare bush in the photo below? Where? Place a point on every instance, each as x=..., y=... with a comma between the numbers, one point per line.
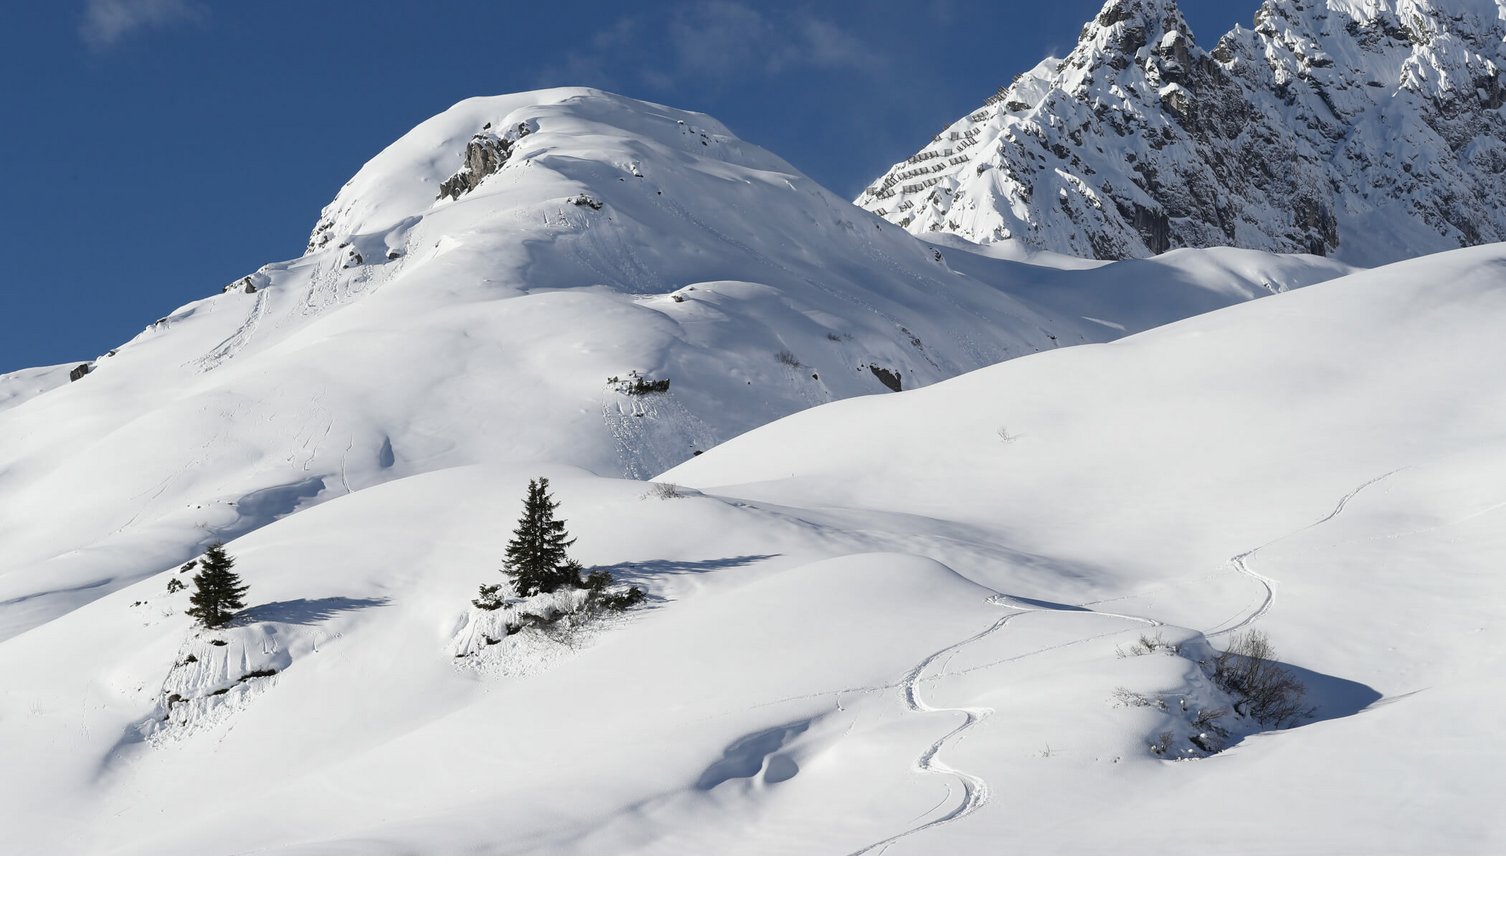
x=1268, y=692
x=788, y=359
x=1147, y=644
x=1207, y=719
x=1005, y=436
x=1127, y=697
x=663, y=490
x=1162, y=744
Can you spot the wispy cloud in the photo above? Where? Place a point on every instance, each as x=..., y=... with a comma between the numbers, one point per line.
x=717, y=41
x=108, y=22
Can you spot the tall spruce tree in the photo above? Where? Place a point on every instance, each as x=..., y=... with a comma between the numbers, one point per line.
x=217, y=590
x=536, y=560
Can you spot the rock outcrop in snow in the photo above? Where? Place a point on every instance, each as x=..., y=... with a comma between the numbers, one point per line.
x=1371, y=130
x=484, y=155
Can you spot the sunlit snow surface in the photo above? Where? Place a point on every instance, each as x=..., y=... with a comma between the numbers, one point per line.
x=887, y=624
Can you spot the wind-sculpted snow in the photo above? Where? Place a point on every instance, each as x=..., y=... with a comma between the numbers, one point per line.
x=902, y=621
x=500, y=323
x=1371, y=131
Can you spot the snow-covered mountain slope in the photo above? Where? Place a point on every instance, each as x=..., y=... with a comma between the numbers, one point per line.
x=1326, y=466
x=1370, y=130
x=18, y=387
x=887, y=625
x=492, y=288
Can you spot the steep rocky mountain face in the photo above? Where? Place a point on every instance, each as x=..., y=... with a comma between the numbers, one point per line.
x=1368, y=130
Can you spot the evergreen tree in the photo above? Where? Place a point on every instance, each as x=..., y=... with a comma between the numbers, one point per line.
x=217, y=590
x=536, y=560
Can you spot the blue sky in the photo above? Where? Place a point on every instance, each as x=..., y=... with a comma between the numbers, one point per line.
x=154, y=150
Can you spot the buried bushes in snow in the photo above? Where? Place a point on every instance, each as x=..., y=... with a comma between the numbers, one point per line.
x=636, y=385
x=1246, y=690
x=1269, y=693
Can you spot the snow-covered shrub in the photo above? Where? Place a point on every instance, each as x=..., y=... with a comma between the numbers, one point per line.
x=637, y=385
x=489, y=596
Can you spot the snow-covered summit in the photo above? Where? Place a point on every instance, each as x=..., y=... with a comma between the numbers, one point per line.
x=563, y=276
x=407, y=178
x=1370, y=130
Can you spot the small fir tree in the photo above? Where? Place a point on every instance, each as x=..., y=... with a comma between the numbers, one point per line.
x=536, y=560
x=217, y=590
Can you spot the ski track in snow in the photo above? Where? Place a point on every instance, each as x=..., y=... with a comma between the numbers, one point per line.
x=242, y=336
x=1241, y=563
x=975, y=791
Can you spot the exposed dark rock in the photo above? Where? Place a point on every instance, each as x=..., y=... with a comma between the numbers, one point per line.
x=79, y=371
x=323, y=232
x=890, y=380
x=485, y=154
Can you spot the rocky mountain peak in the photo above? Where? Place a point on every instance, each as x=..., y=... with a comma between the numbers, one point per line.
x=1130, y=25
x=1370, y=129
x=1148, y=35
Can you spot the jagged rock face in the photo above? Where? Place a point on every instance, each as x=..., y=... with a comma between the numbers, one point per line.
x=484, y=155
x=1367, y=129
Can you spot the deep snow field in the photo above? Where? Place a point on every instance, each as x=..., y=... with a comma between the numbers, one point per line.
x=877, y=622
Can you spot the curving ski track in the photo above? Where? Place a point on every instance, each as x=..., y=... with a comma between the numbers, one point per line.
x=975, y=791
x=1242, y=566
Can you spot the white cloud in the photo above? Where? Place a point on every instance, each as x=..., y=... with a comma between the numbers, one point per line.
x=107, y=22
x=730, y=37
x=712, y=41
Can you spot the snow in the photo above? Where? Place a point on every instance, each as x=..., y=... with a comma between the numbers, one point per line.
x=876, y=622
x=493, y=334
x=1304, y=462
x=18, y=387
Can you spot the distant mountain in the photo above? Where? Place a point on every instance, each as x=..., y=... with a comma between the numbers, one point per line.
x=1368, y=130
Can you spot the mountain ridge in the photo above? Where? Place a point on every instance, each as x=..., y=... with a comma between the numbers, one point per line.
x=1365, y=129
